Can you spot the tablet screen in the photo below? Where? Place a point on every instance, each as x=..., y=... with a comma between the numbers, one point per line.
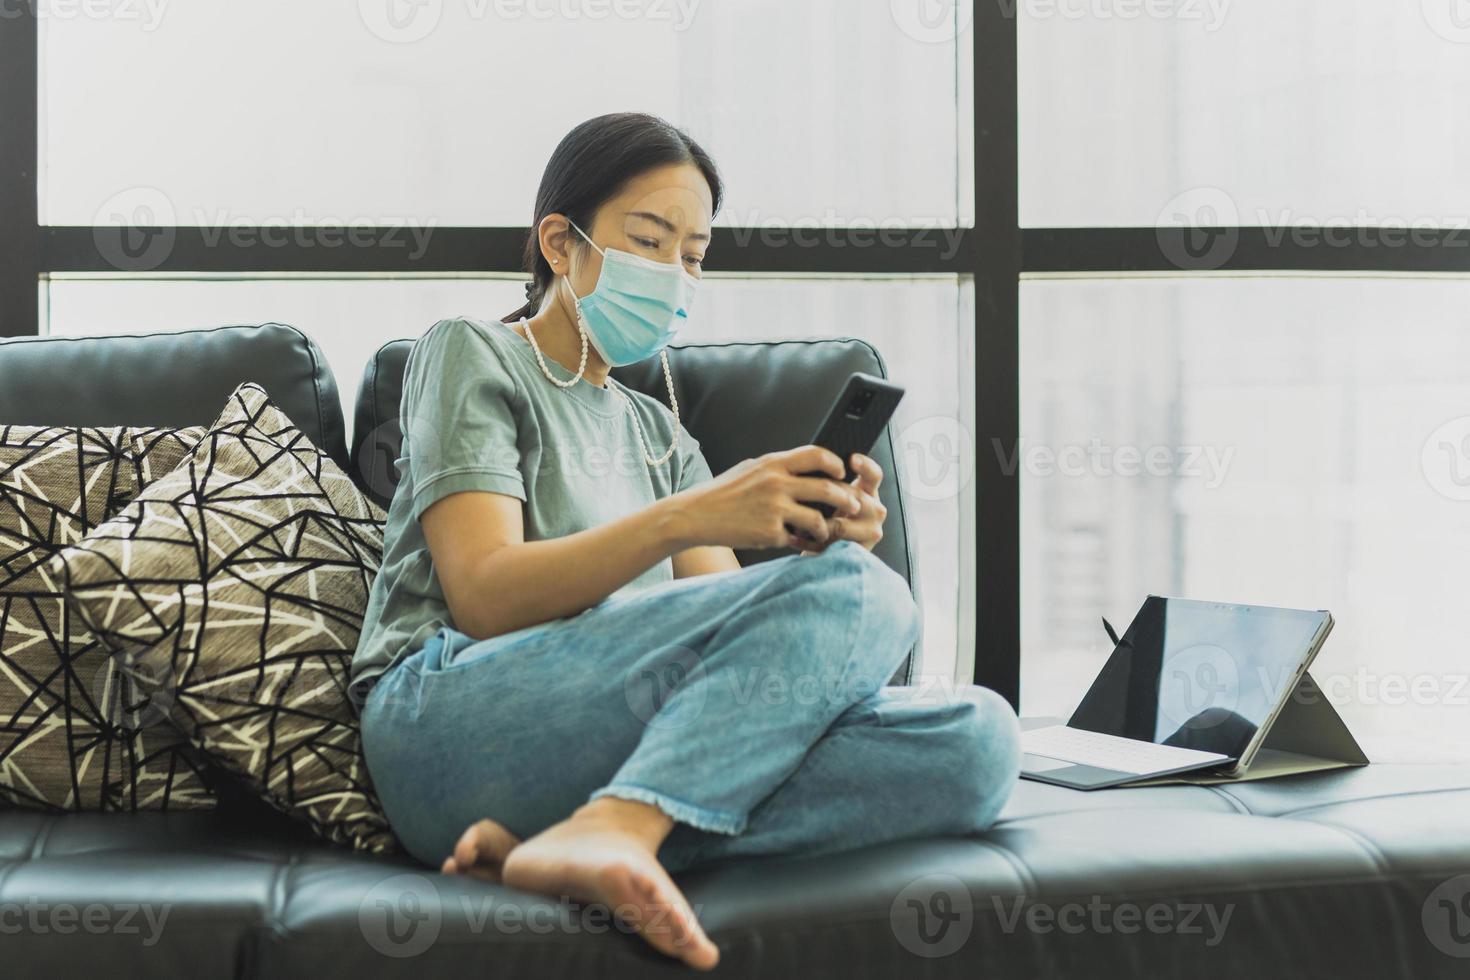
x=1199, y=675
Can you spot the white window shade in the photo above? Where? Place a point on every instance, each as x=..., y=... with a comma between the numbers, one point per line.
x=1345, y=112
x=277, y=111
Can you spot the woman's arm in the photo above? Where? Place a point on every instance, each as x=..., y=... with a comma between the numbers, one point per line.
x=496, y=582
x=705, y=561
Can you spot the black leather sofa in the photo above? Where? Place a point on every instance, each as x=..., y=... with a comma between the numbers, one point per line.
x=1361, y=873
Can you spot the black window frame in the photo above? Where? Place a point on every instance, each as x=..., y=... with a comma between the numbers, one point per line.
x=996, y=253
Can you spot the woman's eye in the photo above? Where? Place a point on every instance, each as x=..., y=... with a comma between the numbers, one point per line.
x=646, y=242
x=693, y=260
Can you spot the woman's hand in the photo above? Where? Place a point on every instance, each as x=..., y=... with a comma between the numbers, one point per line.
x=751, y=504
x=866, y=526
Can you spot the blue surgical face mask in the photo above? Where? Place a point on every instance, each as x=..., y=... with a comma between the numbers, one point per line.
x=637, y=306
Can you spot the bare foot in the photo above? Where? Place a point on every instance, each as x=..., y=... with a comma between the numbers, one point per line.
x=481, y=851
x=607, y=852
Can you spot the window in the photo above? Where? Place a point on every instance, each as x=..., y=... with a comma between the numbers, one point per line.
x=1246, y=232
x=1262, y=440
x=1317, y=112
x=1241, y=338
x=444, y=113
x=368, y=169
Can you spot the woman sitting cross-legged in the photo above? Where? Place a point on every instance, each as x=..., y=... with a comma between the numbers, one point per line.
x=567, y=680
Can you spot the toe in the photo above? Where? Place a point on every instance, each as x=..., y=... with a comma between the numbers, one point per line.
x=467, y=850
x=481, y=851
x=703, y=956
x=667, y=922
x=693, y=946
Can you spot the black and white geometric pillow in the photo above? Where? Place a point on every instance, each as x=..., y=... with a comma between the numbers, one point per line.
x=233, y=589
x=72, y=735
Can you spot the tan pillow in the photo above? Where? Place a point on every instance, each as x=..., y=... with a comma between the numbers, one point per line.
x=235, y=587
x=74, y=733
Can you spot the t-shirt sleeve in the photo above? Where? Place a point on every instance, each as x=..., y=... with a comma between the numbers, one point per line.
x=458, y=417
x=693, y=469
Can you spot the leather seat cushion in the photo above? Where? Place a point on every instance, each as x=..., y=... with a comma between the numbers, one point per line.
x=1333, y=874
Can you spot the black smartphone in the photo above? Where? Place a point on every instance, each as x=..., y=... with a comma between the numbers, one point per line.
x=855, y=421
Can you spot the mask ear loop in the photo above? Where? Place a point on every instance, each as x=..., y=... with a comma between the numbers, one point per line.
x=587, y=237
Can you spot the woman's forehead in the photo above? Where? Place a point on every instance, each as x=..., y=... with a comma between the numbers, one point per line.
x=677, y=196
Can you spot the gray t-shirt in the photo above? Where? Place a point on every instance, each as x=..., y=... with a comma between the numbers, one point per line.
x=478, y=414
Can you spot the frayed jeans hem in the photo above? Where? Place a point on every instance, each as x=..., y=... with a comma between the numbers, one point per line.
x=699, y=818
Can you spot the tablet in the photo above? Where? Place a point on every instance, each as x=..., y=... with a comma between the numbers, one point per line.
x=1203, y=675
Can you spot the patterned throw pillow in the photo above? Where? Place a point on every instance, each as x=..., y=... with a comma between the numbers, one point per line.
x=233, y=589
x=72, y=735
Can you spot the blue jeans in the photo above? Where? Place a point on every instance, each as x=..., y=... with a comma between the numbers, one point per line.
x=749, y=705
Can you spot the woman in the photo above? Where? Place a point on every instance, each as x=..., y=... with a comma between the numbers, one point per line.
x=569, y=682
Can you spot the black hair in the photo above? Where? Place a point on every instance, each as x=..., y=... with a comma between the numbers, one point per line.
x=588, y=168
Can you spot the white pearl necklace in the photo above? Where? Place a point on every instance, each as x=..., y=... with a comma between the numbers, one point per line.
x=536, y=349
x=582, y=367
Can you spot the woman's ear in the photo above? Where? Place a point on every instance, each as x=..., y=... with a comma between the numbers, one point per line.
x=555, y=234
